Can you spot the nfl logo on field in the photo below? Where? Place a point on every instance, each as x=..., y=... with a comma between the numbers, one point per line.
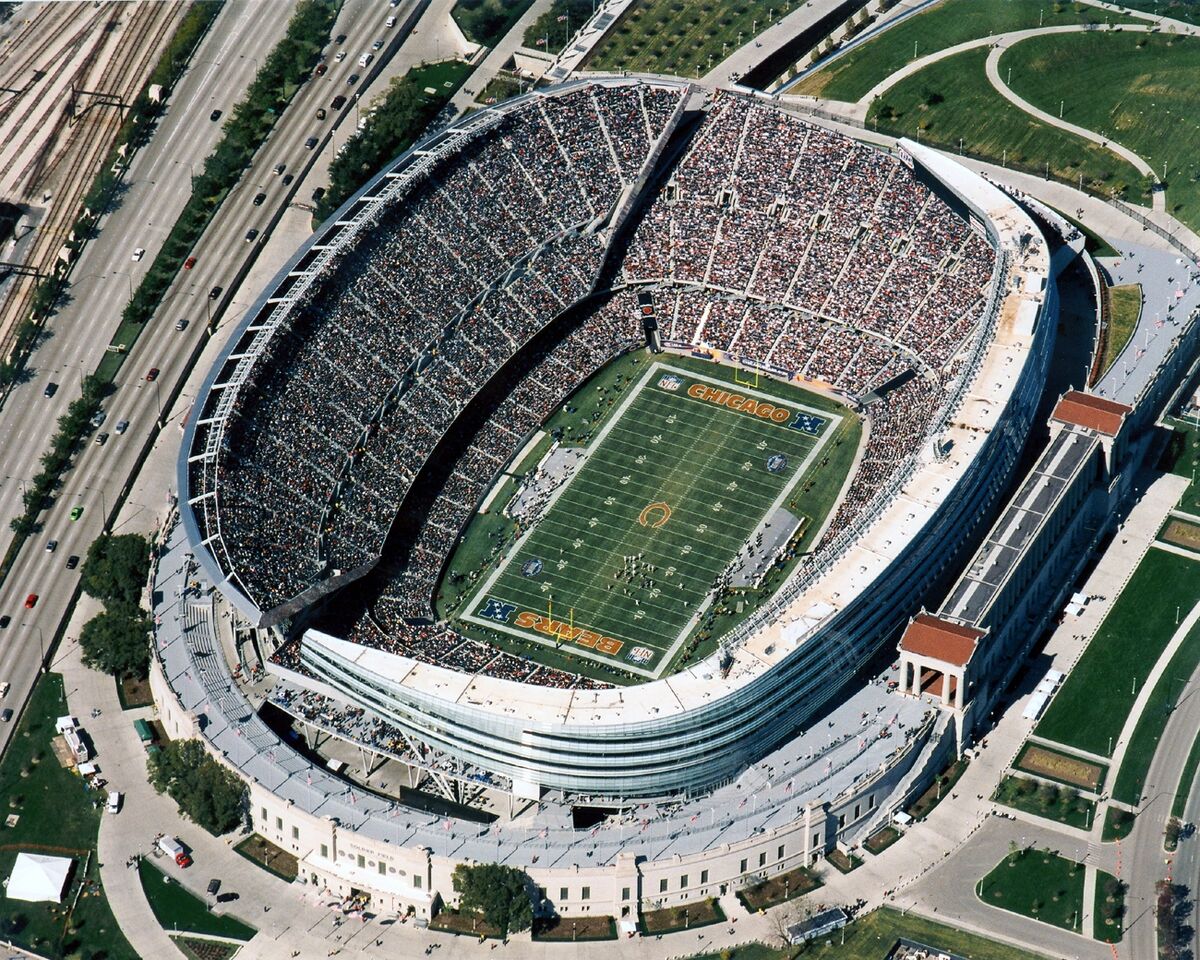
x=670, y=382
x=640, y=655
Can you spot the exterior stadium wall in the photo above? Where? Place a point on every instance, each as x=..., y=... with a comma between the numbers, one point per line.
x=401, y=877
x=535, y=737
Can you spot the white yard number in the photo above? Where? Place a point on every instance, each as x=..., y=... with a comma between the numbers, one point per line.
x=747, y=467
x=670, y=571
x=593, y=521
x=641, y=459
x=718, y=507
x=702, y=528
x=624, y=480
x=672, y=418
x=687, y=548
x=657, y=438
x=761, y=445
x=732, y=485
x=609, y=501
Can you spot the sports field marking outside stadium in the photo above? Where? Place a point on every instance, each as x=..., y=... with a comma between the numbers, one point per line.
x=622, y=564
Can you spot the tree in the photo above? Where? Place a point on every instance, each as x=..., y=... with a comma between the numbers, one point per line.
x=498, y=892
x=207, y=792
x=115, y=641
x=116, y=567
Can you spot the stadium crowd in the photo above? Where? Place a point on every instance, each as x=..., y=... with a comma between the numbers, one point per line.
x=774, y=241
x=368, y=369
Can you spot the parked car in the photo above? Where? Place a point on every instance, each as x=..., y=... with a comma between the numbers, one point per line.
x=352, y=79
x=5, y=715
x=337, y=102
x=138, y=254
x=317, y=194
x=5, y=621
x=340, y=56
x=340, y=39
x=214, y=886
x=259, y=198
x=320, y=71
x=287, y=179
x=121, y=427
x=72, y=561
x=101, y=439
x=215, y=292
x=215, y=116
x=5, y=686
x=189, y=263
x=310, y=143
x=98, y=418
x=51, y=390
x=114, y=801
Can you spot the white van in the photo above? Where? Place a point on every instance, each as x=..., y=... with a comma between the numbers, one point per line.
x=366, y=59
x=114, y=801
x=389, y=22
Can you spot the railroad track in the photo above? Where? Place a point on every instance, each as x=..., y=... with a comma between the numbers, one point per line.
x=33, y=45
x=71, y=155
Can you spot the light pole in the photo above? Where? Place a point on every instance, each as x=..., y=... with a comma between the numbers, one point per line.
x=128, y=280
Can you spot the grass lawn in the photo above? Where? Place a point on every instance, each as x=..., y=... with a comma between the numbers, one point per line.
x=952, y=101
x=176, y=908
x=502, y=86
x=1117, y=825
x=1148, y=731
x=1037, y=884
x=786, y=886
x=1046, y=800
x=1186, y=778
x=945, y=25
x=1182, y=458
x=1095, y=700
x=1139, y=89
x=1126, y=303
x=686, y=38
x=58, y=816
x=1108, y=909
x=871, y=938
x=1185, y=10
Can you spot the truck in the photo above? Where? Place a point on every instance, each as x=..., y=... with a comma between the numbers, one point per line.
x=69, y=728
x=174, y=849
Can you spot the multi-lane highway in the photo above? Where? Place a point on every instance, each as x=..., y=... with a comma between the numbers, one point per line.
x=102, y=281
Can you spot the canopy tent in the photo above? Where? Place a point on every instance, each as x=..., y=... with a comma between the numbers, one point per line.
x=38, y=878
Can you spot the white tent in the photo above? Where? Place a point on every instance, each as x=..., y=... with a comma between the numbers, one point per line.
x=38, y=878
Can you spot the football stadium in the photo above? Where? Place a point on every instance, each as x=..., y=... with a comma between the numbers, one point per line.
x=594, y=457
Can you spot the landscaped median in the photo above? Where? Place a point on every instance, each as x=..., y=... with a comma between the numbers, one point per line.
x=763, y=894
x=1046, y=800
x=686, y=917
x=1108, y=910
x=1064, y=768
x=1037, y=884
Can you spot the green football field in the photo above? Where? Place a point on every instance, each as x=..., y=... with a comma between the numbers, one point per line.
x=623, y=560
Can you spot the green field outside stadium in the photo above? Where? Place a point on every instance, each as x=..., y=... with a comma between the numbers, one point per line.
x=621, y=565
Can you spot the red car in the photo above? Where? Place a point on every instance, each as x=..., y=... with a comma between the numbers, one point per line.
x=320, y=71
x=189, y=263
x=31, y=601
x=152, y=375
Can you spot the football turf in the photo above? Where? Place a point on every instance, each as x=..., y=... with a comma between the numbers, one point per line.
x=623, y=560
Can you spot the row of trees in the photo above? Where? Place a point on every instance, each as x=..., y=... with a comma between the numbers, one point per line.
x=116, y=641
x=1171, y=911
x=393, y=126
x=207, y=792
x=72, y=427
